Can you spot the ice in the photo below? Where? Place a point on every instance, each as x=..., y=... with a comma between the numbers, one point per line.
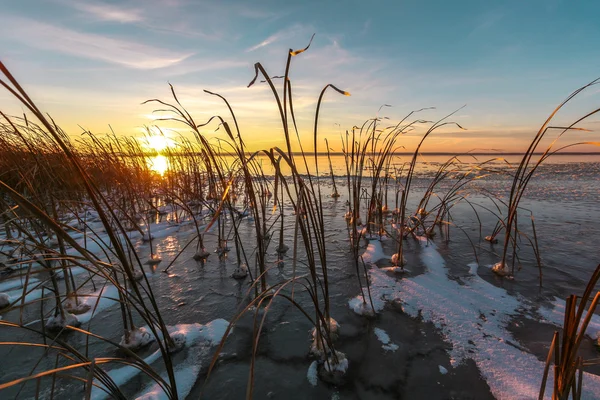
x=122, y=375
x=240, y=272
x=30, y=296
x=197, y=338
x=318, y=343
x=473, y=318
x=16, y=283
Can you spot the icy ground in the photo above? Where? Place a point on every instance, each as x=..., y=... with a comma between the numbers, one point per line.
x=473, y=318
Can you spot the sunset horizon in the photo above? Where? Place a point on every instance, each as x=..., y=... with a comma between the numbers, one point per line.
x=92, y=65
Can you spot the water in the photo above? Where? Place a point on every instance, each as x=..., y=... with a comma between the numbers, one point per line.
x=562, y=197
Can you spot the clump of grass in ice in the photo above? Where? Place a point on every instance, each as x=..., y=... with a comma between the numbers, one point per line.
x=241, y=272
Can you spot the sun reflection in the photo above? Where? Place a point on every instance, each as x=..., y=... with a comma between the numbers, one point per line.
x=158, y=164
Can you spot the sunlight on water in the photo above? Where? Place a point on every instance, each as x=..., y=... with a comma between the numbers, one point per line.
x=158, y=164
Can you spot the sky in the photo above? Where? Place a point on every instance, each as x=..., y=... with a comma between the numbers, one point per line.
x=508, y=64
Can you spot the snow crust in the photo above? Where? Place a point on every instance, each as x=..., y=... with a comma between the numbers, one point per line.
x=383, y=289
x=374, y=252
x=556, y=316
x=341, y=366
x=137, y=339
x=98, y=301
x=473, y=318
x=56, y=323
x=197, y=339
x=122, y=375
x=384, y=338
x=311, y=374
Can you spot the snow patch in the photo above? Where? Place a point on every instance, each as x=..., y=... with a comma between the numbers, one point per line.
x=197, y=338
x=122, y=375
x=136, y=339
x=341, y=366
x=374, y=252
x=383, y=289
x=556, y=316
x=384, y=338
x=58, y=322
x=311, y=375
x=98, y=301
x=473, y=318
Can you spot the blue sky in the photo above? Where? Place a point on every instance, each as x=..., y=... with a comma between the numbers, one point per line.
x=92, y=63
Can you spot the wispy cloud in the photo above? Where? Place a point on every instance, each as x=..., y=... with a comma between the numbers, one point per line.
x=271, y=39
x=106, y=12
x=283, y=34
x=92, y=46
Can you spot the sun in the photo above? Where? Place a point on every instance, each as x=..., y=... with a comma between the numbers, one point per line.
x=158, y=142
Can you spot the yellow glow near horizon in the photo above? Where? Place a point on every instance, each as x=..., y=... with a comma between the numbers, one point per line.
x=158, y=142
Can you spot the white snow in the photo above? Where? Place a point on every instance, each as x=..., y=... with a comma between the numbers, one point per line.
x=473, y=318
x=383, y=289
x=340, y=366
x=390, y=347
x=556, y=316
x=59, y=322
x=374, y=252
x=98, y=301
x=396, y=259
x=137, y=339
x=122, y=375
x=382, y=335
x=311, y=374
x=197, y=337
x=501, y=269
x=384, y=338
